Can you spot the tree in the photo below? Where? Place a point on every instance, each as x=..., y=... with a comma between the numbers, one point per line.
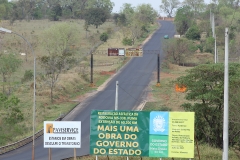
x=195, y=5
x=9, y=64
x=134, y=21
x=168, y=6
x=176, y=50
x=146, y=14
x=120, y=19
x=2, y=11
x=205, y=91
x=225, y=11
x=193, y=33
x=104, y=37
x=209, y=45
x=57, y=41
x=26, y=7
x=11, y=116
x=9, y=105
x=183, y=19
x=230, y=3
x=128, y=11
x=105, y=5
x=5, y=8
x=56, y=12
x=95, y=16
x=76, y=7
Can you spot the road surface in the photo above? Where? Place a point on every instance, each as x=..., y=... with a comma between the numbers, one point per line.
x=133, y=79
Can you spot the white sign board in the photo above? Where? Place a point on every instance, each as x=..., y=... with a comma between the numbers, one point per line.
x=121, y=52
x=62, y=134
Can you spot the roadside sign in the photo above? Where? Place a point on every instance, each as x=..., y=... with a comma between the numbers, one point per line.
x=121, y=52
x=142, y=133
x=112, y=51
x=62, y=134
x=134, y=52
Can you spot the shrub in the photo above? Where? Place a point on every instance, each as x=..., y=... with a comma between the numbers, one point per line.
x=193, y=33
x=200, y=47
x=209, y=45
x=28, y=75
x=104, y=37
x=127, y=41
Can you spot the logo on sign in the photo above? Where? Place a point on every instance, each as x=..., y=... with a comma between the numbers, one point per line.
x=159, y=124
x=49, y=128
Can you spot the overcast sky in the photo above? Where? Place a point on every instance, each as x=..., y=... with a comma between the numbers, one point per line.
x=155, y=3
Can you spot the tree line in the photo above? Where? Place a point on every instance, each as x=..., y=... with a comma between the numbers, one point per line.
x=51, y=9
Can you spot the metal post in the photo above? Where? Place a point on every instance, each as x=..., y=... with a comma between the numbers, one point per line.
x=91, y=81
x=210, y=17
x=49, y=154
x=213, y=24
x=226, y=96
x=215, y=46
x=158, y=71
x=74, y=152
x=116, y=97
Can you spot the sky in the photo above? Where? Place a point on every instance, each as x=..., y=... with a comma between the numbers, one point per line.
x=154, y=3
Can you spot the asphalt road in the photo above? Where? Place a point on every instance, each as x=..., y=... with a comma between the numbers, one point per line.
x=133, y=81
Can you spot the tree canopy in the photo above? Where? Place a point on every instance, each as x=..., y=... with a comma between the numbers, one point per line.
x=169, y=6
x=57, y=40
x=183, y=19
x=95, y=16
x=205, y=91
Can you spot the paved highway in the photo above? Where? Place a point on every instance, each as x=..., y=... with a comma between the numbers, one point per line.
x=133, y=80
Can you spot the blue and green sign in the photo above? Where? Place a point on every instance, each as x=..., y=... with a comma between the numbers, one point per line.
x=141, y=133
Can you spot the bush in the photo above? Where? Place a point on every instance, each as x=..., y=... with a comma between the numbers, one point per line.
x=127, y=41
x=28, y=75
x=209, y=45
x=193, y=33
x=104, y=37
x=200, y=47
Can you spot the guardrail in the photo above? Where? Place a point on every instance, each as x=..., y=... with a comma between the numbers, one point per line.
x=19, y=144
x=23, y=142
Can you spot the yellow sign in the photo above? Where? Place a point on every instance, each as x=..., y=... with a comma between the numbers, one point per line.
x=134, y=52
x=181, y=137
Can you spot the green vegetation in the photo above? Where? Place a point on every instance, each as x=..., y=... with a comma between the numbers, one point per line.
x=193, y=33
x=205, y=90
x=127, y=41
x=104, y=37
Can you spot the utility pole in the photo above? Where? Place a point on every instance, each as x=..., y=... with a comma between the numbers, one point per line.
x=91, y=81
x=116, y=97
x=215, y=49
x=158, y=71
x=213, y=24
x=226, y=96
